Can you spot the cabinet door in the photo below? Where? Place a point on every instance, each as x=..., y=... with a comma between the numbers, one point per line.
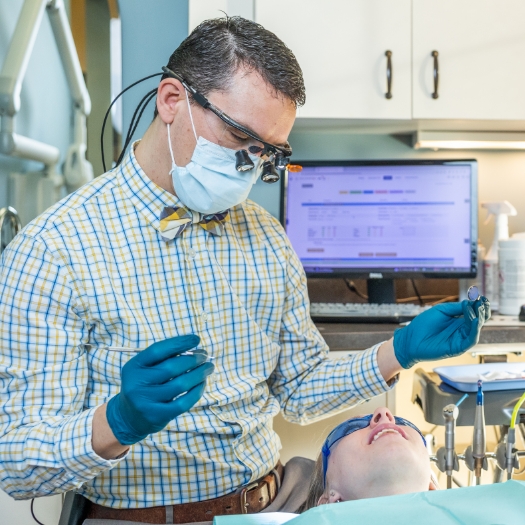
x=341, y=45
x=481, y=60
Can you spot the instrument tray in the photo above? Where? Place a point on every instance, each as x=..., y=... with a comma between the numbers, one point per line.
x=495, y=376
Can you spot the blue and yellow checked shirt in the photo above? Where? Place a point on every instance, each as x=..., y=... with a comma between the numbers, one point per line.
x=90, y=282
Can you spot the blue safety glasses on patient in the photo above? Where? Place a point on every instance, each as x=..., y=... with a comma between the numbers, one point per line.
x=349, y=427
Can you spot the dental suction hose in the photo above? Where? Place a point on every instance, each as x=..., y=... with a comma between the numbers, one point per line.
x=511, y=438
x=450, y=414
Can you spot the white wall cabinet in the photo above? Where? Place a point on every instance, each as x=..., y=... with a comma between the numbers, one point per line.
x=481, y=59
x=341, y=47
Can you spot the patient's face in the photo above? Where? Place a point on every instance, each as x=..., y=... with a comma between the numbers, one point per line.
x=379, y=460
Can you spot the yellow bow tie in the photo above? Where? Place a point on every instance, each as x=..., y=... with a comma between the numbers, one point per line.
x=173, y=221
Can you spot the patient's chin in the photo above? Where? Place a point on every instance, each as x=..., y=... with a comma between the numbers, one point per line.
x=400, y=457
x=386, y=486
x=397, y=476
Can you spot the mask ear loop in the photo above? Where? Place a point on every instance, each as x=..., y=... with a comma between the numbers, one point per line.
x=191, y=117
x=171, y=149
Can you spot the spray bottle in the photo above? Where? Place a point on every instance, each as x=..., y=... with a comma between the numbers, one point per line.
x=501, y=211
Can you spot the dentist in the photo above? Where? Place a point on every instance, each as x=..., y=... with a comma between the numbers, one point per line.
x=155, y=321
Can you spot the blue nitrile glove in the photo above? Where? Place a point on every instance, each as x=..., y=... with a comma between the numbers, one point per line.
x=446, y=330
x=158, y=384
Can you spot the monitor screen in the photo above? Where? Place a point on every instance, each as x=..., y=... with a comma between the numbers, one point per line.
x=397, y=218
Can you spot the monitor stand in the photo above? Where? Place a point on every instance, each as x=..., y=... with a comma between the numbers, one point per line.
x=381, y=291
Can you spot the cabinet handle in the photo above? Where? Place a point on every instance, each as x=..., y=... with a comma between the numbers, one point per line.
x=389, y=74
x=435, y=54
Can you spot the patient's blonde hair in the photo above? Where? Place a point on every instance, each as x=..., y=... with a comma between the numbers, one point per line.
x=316, y=489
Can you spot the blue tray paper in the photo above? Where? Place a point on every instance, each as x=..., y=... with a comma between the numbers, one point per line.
x=465, y=377
x=498, y=504
x=501, y=504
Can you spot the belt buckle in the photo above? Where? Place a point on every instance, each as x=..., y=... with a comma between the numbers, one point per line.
x=244, y=503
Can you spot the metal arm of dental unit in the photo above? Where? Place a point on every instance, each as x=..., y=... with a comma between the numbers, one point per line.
x=77, y=170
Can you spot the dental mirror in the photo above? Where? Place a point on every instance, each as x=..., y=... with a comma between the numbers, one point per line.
x=473, y=293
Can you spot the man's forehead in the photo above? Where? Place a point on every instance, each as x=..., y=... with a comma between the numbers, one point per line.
x=254, y=104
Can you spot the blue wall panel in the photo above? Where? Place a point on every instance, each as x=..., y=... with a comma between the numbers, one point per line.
x=151, y=31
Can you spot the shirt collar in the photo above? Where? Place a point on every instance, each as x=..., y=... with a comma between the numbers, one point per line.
x=138, y=189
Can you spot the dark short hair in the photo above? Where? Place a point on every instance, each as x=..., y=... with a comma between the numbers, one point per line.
x=209, y=57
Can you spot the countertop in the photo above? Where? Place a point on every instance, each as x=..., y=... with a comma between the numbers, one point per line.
x=358, y=336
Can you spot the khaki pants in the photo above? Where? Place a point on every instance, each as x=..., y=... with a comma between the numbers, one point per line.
x=294, y=489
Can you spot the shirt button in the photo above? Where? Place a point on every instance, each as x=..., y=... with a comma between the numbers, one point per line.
x=213, y=378
x=240, y=447
x=192, y=253
x=204, y=316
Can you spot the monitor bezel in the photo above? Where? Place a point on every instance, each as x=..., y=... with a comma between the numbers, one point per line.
x=388, y=273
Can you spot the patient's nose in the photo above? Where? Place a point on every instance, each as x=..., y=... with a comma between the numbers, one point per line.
x=381, y=415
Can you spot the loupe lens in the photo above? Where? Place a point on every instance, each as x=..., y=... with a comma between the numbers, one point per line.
x=268, y=173
x=280, y=161
x=243, y=161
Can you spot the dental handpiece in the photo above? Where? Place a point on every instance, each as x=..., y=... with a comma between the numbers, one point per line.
x=509, y=453
x=450, y=414
x=479, y=449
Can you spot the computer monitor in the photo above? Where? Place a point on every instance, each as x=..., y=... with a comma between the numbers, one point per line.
x=382, y=220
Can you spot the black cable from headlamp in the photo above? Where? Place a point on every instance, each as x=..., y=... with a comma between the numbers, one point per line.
x=135, y=121
x=138, y=111
x=33, y=512
x=107, y=114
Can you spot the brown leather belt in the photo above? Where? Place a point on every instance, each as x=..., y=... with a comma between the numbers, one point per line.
x=248, y=500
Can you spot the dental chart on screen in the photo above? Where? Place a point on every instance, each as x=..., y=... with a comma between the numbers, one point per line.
x=405, y=218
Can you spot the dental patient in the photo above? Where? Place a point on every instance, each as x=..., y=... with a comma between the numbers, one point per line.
x=371, y=456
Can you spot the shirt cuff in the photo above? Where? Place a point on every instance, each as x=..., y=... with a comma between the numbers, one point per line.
x=367, y=377
x=75, y=449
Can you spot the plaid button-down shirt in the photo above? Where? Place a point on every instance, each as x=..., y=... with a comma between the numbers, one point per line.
x=91, y=282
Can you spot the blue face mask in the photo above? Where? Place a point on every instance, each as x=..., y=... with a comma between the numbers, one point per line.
x=210, y=182
x=349, y=427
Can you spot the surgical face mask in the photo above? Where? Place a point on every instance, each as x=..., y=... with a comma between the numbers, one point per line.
x=349, y=427
x=210, y=182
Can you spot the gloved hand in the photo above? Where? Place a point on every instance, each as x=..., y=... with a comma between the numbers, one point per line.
x=158, y=384
x=446, y=330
